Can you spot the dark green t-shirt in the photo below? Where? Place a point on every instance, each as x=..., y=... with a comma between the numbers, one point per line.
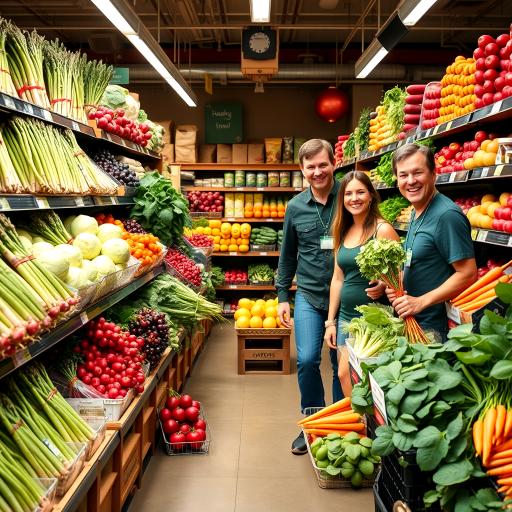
x=305, y=222
x=439, y=237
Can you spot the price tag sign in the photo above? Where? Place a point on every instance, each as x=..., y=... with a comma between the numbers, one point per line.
x=233, y=253
x=485, y=172
x=260, y=189
x=231, y=219
x=448, y=126
x=21, y=357
x=28, y=109
x=496, y=107
x=4, y=204
x=47, y=115
x=482, y=236
x=453, y=313
x=233, y=286
x=270, y=219
x=83, y=317
x=498, y=170
x=9, y=102
x=75, y=126
x=409, y=139
x=297, y=189
x=428, y=133
x=474, y=234
x=42, y=202
x=436, y=129
x=239, y=188
x=354, y=362
x=509, y=245
x=379, y=402
x=79, y=201
x=263, y=253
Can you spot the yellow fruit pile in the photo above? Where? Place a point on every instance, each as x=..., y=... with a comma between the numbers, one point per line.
x=482, y=216
x=485, y=156
x=259, y=314
x=228, y=237
x=381, y=131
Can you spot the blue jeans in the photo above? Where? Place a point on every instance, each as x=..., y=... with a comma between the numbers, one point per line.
x=309, y=338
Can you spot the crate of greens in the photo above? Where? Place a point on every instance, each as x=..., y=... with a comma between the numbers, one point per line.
x=260, y=274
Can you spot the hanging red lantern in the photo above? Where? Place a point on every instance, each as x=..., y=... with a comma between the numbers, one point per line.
x=332, y=104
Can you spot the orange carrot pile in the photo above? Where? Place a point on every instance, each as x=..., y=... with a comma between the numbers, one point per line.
x=338, y=418
x=482, y=291
x=492, y=438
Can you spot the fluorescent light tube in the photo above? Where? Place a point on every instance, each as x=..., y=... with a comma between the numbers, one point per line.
x=114, y=16
x=160, y=68
x=413, y=10
x=260, y=11
x=369, y=59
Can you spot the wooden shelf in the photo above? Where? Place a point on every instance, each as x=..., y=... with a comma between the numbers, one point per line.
x=250, y=287
x=238, y=167
x=251, y=219
x=245, y=254
x=242, y=189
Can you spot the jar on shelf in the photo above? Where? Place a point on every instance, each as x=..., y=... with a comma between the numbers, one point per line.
x=250, y=179
x=261, y=179
x=273, y=179
x=297, y=179
x=284, y=179
x=239, y=178
x=229, y=179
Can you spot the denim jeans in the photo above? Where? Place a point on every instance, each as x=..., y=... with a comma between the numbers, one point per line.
x=309, y=338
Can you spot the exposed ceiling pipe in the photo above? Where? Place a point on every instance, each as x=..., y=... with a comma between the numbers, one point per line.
x=296, y=73
x=359, y=23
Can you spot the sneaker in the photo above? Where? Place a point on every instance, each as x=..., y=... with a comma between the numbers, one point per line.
x=299, y=445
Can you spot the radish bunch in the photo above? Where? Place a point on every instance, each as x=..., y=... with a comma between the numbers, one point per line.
x=184, y=265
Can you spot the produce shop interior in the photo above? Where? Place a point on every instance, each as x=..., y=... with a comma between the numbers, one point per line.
x=255, y=255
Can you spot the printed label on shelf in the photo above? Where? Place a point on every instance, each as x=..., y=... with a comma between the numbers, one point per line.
x=47, y=114
x=353, y=360
x=233, y=253
x=458, y=176
x=453, y=313
x=21, y=357
x=239, y=189
x=297, y=189
x=75, y=126
x=474, y=234
x=485, y=172
x=42, y=202
x=79, y=201
x=52, y=447
x=28, y=109
x=436, y=129
x=409, y=139
x=481, y=237
x=497, y=238
x=448, y=126
x=22, y=202
x=499, y=170
x=263, y=253
x=9, y=102
x=260, y=189
x=83, y=317
x=379, y=402
x=496, y=107
x=231, y=219
x=233, y=286
x=4, y=204
x=270, y=219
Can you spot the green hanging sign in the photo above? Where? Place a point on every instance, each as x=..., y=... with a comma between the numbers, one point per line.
x=121, y=76
x=223, y=123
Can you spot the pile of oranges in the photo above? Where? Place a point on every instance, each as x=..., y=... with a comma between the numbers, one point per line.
x=258, y=314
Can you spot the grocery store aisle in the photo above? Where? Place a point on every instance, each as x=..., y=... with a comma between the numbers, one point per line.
x=249, y=468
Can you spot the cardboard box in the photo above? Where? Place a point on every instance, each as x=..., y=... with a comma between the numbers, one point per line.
x=172, y=172
x=458, y=317
x=255, y=154
x=207, y=153
x=224, y=153
x=168, y=126
x=168, y=154
x=185, y=148
x=239, y=153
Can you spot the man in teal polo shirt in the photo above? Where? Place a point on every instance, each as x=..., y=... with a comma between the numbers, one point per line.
x=306, y=251
x=440, y=254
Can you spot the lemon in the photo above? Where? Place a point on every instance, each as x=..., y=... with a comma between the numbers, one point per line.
x=270, y=303
x=242, y=312
x=269, y=323
x=243, y=322
x=261, y=303
x=256, y=322
x=270, y=312
x=245, y=303
x=257, y=310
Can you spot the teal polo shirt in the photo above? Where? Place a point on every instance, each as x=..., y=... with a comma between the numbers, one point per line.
x=439, y=237
x=300, y=249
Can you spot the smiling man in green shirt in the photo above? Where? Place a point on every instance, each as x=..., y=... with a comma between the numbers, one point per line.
x=306, y=251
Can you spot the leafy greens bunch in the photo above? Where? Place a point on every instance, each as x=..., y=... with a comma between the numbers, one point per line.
x=390, y=208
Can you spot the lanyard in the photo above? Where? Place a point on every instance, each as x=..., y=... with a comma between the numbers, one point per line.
x=417, y=228
x=326, y=227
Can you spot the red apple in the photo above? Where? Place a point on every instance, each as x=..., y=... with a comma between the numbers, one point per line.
x=498, y=96
x=480, y=136
x=504, y=53
x=506, y=91
x=506, y=213
x=499, y=83
x=484, y=40
x=478, y=54
x=488, y=86
x=508, y=47
x=475, y=144
x=497, y=224
x=490, y=74
x=492, y=61
x=507, y=226
x=479, y=103
x=479, y=90
x=504, y=64
x=509, y=201
x=502, y=40
x=508, y=78
x=491, y=49
x=479, y=76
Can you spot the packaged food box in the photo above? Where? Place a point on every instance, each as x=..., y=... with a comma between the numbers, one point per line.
x=284, y=179
x=273, y=179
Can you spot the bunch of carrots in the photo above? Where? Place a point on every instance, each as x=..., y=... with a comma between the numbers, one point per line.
x=492, y=438
x=338, y=418
x=482, y=291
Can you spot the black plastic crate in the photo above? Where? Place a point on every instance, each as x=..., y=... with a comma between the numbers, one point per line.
x=379, y=504
x=371, y=426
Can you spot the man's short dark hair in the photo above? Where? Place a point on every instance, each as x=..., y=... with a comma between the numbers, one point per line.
x=408, y=150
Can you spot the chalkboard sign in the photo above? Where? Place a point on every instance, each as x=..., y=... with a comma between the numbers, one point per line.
x=223, y=123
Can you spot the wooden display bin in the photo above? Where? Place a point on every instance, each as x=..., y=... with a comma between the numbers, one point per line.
x=131, y=463
x=265, y=351
x=180, y=377
x=148, y=428
x=106, y=485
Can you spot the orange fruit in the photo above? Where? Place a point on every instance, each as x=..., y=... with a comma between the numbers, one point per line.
x=256, y=322
x=243, y=322
x=257, y=310
x=269, y=323
x=243, y=311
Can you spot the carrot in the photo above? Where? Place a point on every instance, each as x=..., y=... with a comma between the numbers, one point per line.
x=349, y=427
x=505, y=481
x=489, y=425
x=498, y=463
x=505, y=469
x=484, y=280
x=340, y=405
x=335, y=418
x=508, y=425
x=477, y=304
x=500, y=456
x=478, y=436
x=507, y=445
x=504, y=488
x=501, y=414
x=486, y=288
x=324, y=432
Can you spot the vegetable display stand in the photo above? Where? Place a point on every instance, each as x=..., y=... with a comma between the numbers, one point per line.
x=265, y=351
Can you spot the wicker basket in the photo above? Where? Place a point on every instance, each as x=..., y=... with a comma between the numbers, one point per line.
x=326, y=481
x=279, y=330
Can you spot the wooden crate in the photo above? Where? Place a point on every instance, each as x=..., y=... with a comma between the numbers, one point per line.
x=131, y=463
x=264, y=352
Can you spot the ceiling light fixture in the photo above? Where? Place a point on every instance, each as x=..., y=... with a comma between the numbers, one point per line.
x=411, y=11
x=369, y=59
x=260, y=11
x=125, y=19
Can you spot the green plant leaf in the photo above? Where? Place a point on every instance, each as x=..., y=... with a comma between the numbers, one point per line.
x=502, y=370
x=424, y=411
x=383, y=443
x=406, y=425
x=504, y=292
x=412, y=402
x=429, y=436
x=454, y=428
x=457, y=447
x=396, y=393
x=474, y=357
x=454, y=473
x=429, y=457
x=403, y=441
x=394, y=369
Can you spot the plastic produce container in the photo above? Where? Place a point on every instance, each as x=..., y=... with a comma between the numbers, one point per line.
x=48, y=499
x=76, y=465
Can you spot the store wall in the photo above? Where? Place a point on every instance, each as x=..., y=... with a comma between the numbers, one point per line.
x=364, y=96
x=279, y=111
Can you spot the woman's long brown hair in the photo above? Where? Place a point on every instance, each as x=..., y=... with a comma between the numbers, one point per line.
x=343, y=220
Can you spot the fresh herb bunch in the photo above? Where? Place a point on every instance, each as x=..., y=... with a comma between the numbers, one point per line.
x=217, y=276
x=160, y=208
x=394, y=103
x=384, y=169
x=349, y=149
x=390, y=208
x=362, y=131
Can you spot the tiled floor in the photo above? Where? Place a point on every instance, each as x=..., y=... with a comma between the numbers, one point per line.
x=249, y=468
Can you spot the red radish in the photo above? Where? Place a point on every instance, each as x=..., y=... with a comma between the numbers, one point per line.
x=195, y=439
x=185, y=428
x=192, y=414
x=170, y=426
x=196, y=404
x=172, y=402
x=200, y=424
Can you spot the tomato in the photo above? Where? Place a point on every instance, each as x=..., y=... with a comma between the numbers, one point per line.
x=202, y=433
x=192, y=414
x=200, y=424
x=178, y=414
x=165, y=414
x=177, y=439
x=196, y=404
x=172, y=402
x=170, y=426
x=185, y=428
x=185, y=401
x=195, y=439
x=113, y=392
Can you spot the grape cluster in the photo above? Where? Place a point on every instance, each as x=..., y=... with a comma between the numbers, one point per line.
x=121, y=172
x=132, y=226
x=153, y=327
